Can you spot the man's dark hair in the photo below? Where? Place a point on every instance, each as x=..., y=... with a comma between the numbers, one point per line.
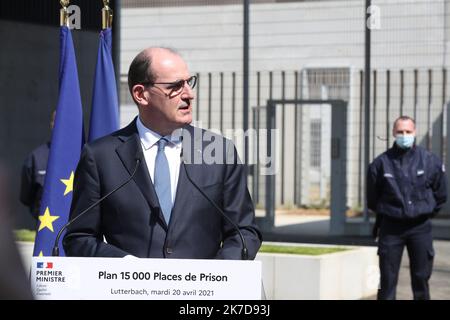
x=141, y=69
x=403, y=118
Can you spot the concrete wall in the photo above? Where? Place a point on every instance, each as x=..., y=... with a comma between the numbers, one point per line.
x=346, y=275
x=286, y=36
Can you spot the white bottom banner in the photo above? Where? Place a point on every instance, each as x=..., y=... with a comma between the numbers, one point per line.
x=145, y=279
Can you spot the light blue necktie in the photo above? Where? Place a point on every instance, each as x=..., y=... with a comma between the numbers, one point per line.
x=162, y=180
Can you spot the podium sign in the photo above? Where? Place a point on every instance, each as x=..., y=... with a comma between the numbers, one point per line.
x=146, y=279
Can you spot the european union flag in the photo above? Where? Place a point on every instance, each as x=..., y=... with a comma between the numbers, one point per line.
x=105, y=105
x=66, y=144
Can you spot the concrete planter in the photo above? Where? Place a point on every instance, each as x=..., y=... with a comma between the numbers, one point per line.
x=351, y=274
x=26, y=252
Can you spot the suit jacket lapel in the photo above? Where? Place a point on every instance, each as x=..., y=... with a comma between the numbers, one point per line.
x=127, y=152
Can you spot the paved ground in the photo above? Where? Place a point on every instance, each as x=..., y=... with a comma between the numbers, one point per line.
x=440, y=278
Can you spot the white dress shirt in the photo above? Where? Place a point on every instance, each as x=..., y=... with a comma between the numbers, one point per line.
x=172, y=150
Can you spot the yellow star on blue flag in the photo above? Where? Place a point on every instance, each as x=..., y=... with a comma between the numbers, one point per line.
x=47, y=220
x=68, y=183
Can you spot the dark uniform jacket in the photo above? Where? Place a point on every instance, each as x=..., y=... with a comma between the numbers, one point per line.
x=406, y=183
x=33, y=176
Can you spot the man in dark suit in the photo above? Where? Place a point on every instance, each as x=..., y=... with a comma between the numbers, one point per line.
x=160, y=213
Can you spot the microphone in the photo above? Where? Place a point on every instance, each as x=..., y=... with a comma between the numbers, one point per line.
x=244, y=254
x=55, y=250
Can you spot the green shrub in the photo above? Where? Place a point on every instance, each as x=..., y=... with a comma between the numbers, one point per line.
x=25, y=235
x=311, y=251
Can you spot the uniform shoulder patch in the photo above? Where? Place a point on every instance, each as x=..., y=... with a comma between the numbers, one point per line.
x=443, y=168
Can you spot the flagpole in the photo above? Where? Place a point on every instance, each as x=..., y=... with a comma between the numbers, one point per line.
x=64, y=14
x=107, y=15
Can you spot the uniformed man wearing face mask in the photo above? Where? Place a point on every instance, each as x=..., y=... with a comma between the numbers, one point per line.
x=406, y=186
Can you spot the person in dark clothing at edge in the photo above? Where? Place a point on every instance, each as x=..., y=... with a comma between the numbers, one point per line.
x=14, y=282
x=406, y=187
x=33, y=176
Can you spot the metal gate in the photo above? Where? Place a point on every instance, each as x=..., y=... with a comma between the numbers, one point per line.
x=338, y=161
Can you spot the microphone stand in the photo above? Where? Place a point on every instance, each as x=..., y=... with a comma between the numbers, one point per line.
x=55, y=250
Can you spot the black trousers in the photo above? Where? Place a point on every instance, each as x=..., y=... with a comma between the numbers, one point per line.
x=416, y=235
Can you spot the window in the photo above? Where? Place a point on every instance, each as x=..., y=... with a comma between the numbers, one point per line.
x=315, y=142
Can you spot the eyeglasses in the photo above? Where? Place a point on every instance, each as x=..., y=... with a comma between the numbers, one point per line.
x=176, y=87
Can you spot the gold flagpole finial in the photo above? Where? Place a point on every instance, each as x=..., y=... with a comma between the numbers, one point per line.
x=63, y=13
x=107, y=15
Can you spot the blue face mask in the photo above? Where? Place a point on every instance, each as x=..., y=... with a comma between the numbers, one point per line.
x=404, y=141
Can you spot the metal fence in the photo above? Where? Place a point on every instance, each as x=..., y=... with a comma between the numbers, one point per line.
x=304, y=50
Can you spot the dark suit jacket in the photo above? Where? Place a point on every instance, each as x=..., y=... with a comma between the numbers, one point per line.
x=130, y=219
